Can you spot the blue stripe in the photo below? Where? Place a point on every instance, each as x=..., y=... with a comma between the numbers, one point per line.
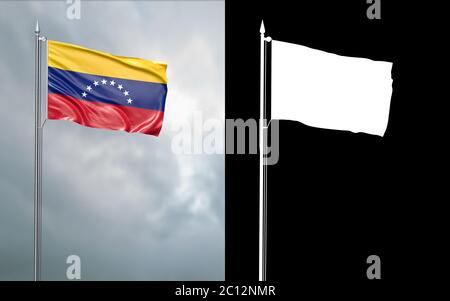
x=143, y=94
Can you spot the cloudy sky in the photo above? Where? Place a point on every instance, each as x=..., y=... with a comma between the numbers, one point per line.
x=124, y=203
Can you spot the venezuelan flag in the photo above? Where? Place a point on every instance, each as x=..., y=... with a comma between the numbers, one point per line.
x=100, y=90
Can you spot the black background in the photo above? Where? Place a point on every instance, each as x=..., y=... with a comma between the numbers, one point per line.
x=335, y=197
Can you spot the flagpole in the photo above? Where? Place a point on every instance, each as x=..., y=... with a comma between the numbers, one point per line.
x=262, y=165
x=37, y=158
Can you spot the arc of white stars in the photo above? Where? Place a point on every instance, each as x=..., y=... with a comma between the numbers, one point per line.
x=111, y=83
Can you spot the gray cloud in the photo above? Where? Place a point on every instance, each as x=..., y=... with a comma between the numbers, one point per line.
x=123, y=202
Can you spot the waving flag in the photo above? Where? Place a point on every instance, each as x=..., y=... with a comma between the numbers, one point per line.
x=330, y=91
x=100, y=90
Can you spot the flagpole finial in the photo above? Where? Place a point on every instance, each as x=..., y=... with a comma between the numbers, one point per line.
x=262, y=29
x=37, y=29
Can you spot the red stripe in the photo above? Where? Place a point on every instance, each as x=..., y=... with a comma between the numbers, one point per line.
x=105, y=116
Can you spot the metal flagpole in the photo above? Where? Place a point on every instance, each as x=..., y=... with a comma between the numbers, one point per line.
x=37, y=157
x=262, y=162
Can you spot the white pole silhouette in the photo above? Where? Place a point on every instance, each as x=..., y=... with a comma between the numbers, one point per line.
x=262, y=162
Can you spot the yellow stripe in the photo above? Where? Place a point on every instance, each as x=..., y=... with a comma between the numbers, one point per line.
x=76, y=58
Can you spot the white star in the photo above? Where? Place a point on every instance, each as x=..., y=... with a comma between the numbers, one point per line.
x=125, y=93
x=112, y=83
x=84, y=94
x=89, y=88
x=104, y=81
x=96, y=83
x=120, y=87
x=129, y=100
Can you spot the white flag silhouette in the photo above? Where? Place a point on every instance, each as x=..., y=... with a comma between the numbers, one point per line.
x=326, y=90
